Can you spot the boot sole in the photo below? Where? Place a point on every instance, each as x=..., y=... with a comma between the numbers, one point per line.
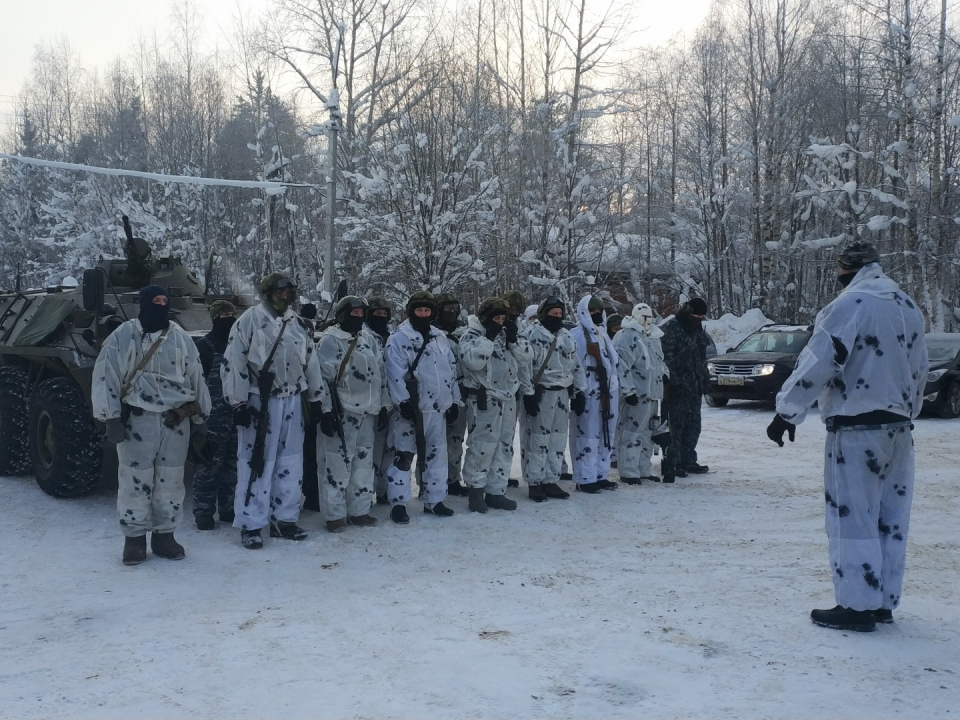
x=853, y=627
x=171, y=557
x=134, y=561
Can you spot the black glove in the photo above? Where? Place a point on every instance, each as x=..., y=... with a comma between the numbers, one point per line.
x=116, y=433
x=632, y=400
x=776, y=429
x=242, y=416
x=383, y=418
x=510, y=326
x=492, y=329
x=407, y=410
x=316, y=410
x=531, y=403
x=579, y=403
x=453, y=412
x=329, y=422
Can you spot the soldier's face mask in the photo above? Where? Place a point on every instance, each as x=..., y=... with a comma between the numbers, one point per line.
x=597, y=317
x=377, y=321
x=154, y=311
x=280, y=299
x=223, y=324
x=845, y=278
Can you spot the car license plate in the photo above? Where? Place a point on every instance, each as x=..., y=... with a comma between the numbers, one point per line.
x=729, y=380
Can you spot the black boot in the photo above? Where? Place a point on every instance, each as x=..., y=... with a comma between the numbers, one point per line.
x=632, y=481
x=606, y=484
x=591, y=488
x=438, y=509
x=552, y=490
x=537, y=493
x=457, y=490
x=476, y=500
x=513, y=482
x=134, y=550
x=841, y=618
x=399, y=515
x=205, y=522
x=696, y=469
x=226, y=516
x=367, y=520
x=251, y=539
x=287, y=531
x=883, y=616
x=163, y=545
x=500, y=502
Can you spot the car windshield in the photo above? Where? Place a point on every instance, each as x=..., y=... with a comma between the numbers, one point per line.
x=778, y=342
x=941, y=349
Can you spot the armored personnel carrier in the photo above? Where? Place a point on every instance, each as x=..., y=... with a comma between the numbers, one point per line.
x=49, y=342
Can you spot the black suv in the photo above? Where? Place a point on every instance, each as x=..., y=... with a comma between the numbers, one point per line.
x=758, y=366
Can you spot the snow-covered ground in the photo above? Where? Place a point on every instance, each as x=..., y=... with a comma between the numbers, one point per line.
x=656, y=601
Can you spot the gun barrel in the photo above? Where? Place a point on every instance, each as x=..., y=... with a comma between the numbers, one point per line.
x=127, y=230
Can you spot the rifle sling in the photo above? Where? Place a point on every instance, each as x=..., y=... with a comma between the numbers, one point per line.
x=536, y=378
x=138, y=370
x=273, y=351
x=346, y=358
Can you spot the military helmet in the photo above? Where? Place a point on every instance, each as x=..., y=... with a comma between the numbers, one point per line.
x=516, y=301
x=446, y=298
x=347, y=305
x=277, y=281
x=421, y=298
x=856, y=255
x=554, y=301
x=220, y=308
x=594, y=304
x=379, y=303
x=492, y=306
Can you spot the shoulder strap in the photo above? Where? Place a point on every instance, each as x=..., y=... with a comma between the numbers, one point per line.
x=138, y=371
x=346, y=358
x=536, y=378
x=416, y=359
x=273, y=350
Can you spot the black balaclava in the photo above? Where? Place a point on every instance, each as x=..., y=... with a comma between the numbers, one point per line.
x=222, y=325
x=421, y=324
x=352, y=324
x=378, y=323
x=448, y=317
x=685, y=315
x=613, y=324
x=153, y=317
x=551, y=323
x=846, y=278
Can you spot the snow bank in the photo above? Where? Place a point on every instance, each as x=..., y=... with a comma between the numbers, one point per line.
x=728, y=330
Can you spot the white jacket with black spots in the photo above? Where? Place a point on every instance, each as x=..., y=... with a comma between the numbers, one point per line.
x=562, y=370
x=641, y=360
x=436, y=372
x=172, y=377
x=363, y=384
x=295, y=362
x=866, y=353
x=586, y=332
x=492, y=364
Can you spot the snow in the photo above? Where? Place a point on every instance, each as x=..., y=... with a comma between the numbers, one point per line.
x=728, y=330
x=690, y=600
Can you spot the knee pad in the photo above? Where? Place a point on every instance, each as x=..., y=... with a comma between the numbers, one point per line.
x=403, y=461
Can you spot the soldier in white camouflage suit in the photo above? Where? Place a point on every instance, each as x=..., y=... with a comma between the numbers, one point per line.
x=419, y=353
x=352, y=365
x=274, y=497
x=641, y=389
x=491, y=353
x=552, y=383
x=448, y=320
x=147, y=371
x=379, y=313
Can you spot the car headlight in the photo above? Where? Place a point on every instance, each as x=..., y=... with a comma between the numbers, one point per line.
x=935, y=375
x=763, y=369
x=711, y=368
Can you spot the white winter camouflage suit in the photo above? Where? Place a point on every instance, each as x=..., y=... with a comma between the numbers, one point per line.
x=276, y=493
x=868, y=469
x=457, y=430
x=436, y=376
x=588, y=451
x=151, y=458
x=544, y=437
x=382, y=451
x=641, y=374
x=494, y=365
x=347, y=482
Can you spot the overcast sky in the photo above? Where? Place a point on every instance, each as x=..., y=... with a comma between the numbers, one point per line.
x=101, y=30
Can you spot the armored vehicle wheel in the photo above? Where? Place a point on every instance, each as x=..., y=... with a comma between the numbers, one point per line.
x=64, y=442
x=14, y=453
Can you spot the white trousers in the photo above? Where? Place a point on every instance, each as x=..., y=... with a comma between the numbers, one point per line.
x=276, y=493
x=544, y=438
x=635, y=439
x=590, y=456
x=150, y=474
x=489, y=453
x=404, y=440
x=868, y=483
x=347, y=482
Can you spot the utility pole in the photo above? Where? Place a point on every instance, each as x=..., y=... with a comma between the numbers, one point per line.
x=333, y=128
